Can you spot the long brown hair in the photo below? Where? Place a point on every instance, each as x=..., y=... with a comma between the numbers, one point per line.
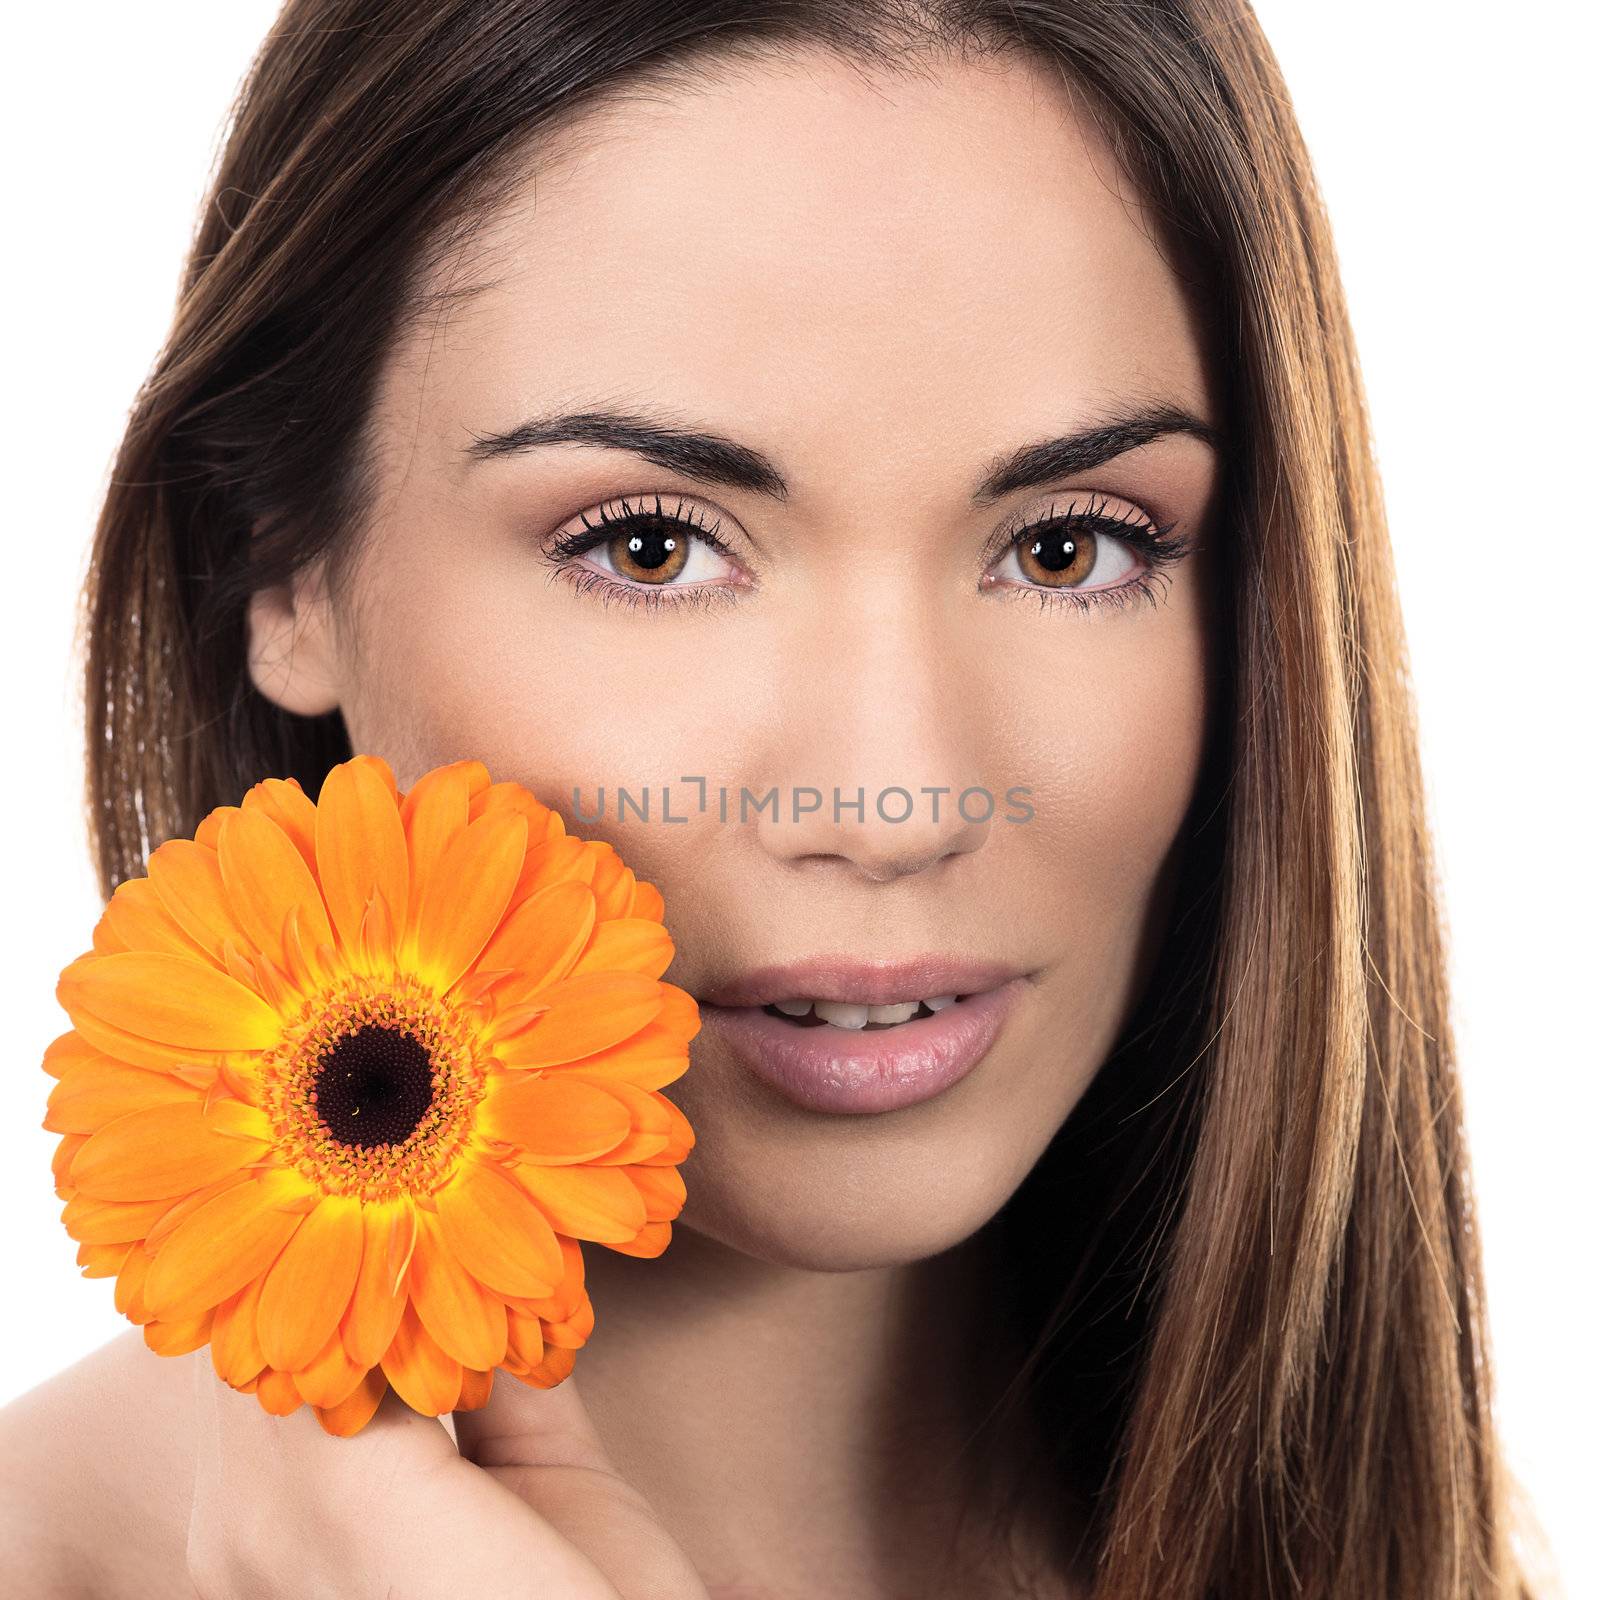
x=1244, y=1278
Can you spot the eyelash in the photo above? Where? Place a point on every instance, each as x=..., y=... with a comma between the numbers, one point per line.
x=1160, y=546
x=565, y=548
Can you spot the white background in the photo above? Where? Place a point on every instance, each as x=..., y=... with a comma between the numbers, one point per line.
x=1450, y=142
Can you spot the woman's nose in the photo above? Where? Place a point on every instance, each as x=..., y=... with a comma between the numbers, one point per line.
x=882, y=759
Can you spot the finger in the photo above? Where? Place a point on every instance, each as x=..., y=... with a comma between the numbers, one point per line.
x=543, y=1445
x=266, y=1486
x=249, y=1448
x=520, y=1425
x=393, y=1508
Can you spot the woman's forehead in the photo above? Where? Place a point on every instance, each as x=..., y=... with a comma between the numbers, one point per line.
x=820, y=258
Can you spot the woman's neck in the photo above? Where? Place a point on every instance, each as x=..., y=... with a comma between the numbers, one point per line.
x=784, y=1420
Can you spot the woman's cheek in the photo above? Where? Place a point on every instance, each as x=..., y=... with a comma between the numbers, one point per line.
x=1114, y=782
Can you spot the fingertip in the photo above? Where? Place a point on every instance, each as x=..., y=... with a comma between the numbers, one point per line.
x=525, y=1424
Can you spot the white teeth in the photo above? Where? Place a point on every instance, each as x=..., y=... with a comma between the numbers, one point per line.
x=841, y=1013
x=903, y=1012
x=847, y=1014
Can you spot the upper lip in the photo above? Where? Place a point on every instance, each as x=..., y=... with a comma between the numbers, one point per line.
x=853, y=981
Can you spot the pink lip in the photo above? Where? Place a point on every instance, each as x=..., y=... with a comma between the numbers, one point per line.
x=843, y=1070
x=864, y=983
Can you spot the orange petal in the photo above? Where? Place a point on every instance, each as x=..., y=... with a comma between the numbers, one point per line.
x=235, y=1349
x=309, y=1286
x=188, y=878
x=160, y=1152
x=177, y=1336
x=571, y=1290
x=169, y=1000
x=433, y=812
x=288, y=805
x=353, y=1413
x=222, y=1246
x=422, y=1374
x=67, y=1148
x=330, y=1375
x=572, y=1332
x=555, y=861
x=376, y=764
x=497, y=1232
x=476, y=1388
x=542, y=937
x=680, y=1135
x=277, y=1393
x=92, y=1221
x=267, y=877
x=234, y=1118
x=377, y=939
x=654, y=1237
x=612, y=881
x=661, y=1188
x=107, y=1040
x=655, y=1056
x=627, y=944
x=524, y=1339
x=178, y=1210
x=647, y=902
x=654, y=1122
x=585, y=1015
x=129, y=1296
x=138, y=920
x=210, y=829
x=361, y=847
x=555, y=1120
x=586, y=1202
x=465, y=894
x=68, y=1049
x=557, y=1364
x=91, y=1095
x=467, y=1320
x=543, y=823
x=376, y=1303
x=103, y=1260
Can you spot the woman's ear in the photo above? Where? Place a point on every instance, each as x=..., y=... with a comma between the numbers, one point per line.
x=291, y=645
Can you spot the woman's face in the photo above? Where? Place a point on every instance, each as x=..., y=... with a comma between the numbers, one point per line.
x=891, y=292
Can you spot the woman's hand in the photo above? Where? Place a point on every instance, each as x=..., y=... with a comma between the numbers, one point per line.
x=528, y=1506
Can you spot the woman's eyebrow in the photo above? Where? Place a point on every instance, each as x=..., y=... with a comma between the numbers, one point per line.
x=716, y=459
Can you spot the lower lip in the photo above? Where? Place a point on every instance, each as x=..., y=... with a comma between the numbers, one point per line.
x=854, y=1070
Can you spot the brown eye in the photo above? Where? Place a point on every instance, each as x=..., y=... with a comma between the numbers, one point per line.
x=637, y=548
x=1057, y=556
x=1087, y=557
x=650, y=550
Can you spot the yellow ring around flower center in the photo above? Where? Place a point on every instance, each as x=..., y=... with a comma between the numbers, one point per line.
x=389, y=1050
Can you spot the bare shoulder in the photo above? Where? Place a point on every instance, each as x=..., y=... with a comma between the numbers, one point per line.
x=96, y=1470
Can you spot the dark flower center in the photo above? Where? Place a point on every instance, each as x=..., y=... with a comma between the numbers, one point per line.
x=374, y=1086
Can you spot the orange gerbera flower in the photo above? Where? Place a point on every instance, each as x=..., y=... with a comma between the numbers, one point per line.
x=348, y=1082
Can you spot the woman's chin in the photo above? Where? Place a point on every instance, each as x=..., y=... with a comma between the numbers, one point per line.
x=839, y=1227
